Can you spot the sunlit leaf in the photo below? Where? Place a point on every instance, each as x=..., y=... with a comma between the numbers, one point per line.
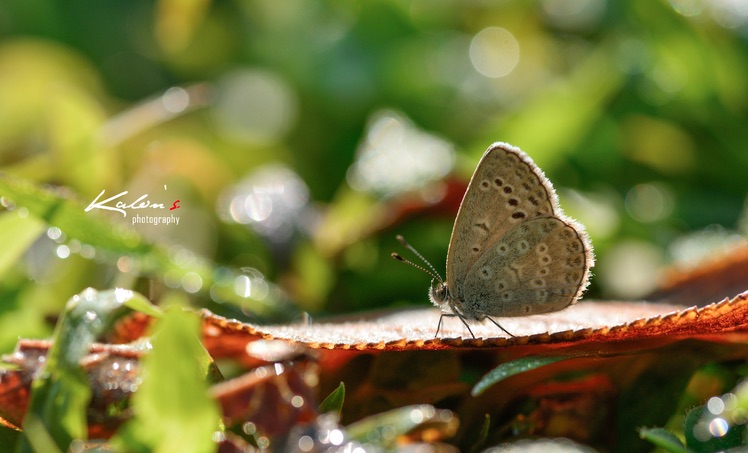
x=583, y=323
x=141, y=304
x=173, y=411
x=334, y=401
x=663, y=439
x=512, y=368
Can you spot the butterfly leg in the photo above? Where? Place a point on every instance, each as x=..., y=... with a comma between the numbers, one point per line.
x=499, y=326
x=452, y=315
x=439, y=326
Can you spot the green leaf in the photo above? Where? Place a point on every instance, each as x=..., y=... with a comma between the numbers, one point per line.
x=60, y=396
x=663, y=439
x=699, y=437
x=139, y=303
x=384, y=428
x=58, y=209
x=173, y=411
x=334, y=401
x=509, y=369
x=19, y=233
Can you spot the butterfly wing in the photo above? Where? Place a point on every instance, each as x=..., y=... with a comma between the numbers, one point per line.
x=507, y=190
x=539, y=266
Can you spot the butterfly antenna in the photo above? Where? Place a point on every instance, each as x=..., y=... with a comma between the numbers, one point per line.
x=431, y=270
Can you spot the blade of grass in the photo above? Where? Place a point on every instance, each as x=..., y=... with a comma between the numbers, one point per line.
x=663, y=439
x=512, y=368
x=334, y=401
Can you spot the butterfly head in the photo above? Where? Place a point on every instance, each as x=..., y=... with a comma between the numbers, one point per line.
x=438, y=293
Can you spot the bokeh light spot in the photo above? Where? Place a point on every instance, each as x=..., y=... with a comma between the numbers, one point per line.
x=718, y=427
x=687, y=8
x=715, y=405
x=396, y=156
x=255, y=106
x=272, y=201
x=494, y=52
x=62, y=251
x=192, y=282
x=176, y=99
x=306, y=443
x=336, y=437
x=649, y=202
x=630, y=270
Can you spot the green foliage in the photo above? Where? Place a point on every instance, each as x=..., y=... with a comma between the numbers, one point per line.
x=706, y=432
x=652, y=398
x=9, y=436
x=508, y=369
x=603, y=107
x=703, y=438
x=59, y=397
x=334, y=401
x=663, y=439
x=173, y=411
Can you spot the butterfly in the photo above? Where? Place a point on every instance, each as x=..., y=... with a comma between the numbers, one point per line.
x=513, y=252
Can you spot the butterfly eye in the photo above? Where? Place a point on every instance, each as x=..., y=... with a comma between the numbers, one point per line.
x=438, y=292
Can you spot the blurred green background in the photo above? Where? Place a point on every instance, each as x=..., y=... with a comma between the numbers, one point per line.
x=301, y=136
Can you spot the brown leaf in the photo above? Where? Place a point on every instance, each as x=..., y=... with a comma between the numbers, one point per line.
x=112, y=372
x=288, y=385
x=288, y=388
x=712, y=279
x=583, y=323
